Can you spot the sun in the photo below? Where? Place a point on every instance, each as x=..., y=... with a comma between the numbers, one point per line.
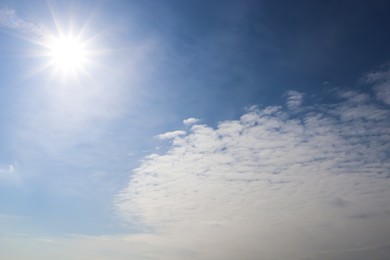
x=68, y=55
x=67, y=52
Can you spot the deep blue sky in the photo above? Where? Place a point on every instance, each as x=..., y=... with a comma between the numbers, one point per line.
x=248, y=52
x=71, y=148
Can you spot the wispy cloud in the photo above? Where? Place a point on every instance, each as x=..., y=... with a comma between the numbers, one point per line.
x=294, y=99
x=9, y=19
x=293, y=182
x=381, y=79
x=171, y=135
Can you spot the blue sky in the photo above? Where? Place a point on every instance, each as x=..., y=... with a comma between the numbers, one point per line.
x=194, y=129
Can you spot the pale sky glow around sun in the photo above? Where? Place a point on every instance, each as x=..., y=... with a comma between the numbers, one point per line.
x=205, y=130
x=68, y=56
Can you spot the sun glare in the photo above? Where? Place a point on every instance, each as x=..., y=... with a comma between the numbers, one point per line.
x=67, y=54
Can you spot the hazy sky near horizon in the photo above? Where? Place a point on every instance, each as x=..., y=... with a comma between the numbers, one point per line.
x=194, y=129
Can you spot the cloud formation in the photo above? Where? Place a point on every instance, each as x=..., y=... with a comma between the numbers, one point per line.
x=307, y=184
x=10, y=20
x=171, y=135
x=190, y=121
x=294, y=99
x=381, y=79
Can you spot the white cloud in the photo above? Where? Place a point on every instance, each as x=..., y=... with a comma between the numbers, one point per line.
x=294, y=99
x=9, y=19
x=171, y=135
x=313, y=186
x=383, y=92
x=190, y=121
x=381, y=79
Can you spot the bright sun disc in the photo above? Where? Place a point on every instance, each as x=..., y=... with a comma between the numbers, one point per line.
x=67, y=54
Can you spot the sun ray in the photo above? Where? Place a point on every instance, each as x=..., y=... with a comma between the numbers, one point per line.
x=64, y=48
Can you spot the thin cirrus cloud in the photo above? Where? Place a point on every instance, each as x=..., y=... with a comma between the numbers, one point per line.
x=307, y=183
x=10, y=20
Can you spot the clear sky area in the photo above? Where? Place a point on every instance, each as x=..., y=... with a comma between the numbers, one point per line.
x=194, y=129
